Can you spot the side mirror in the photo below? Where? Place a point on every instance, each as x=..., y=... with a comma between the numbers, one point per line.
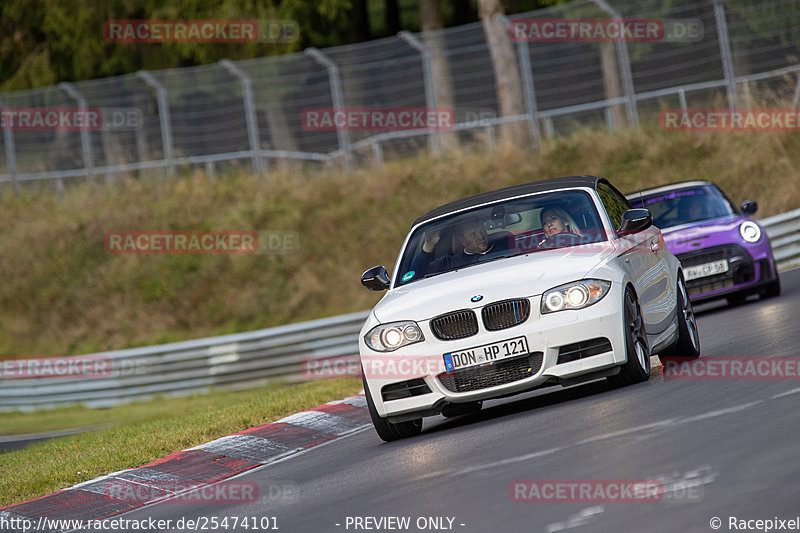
x=634, y=221
x=376, y=279
x=749, y=207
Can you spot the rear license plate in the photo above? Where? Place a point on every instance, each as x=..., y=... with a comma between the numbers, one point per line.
x=485, y=354
x=706, y=269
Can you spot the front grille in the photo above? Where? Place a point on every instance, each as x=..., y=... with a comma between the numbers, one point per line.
x=579, y=350
x=405, y=389
x=492, y=375
x=739, y=271
x=704, y=285
x=506, y=314
x=455, y=325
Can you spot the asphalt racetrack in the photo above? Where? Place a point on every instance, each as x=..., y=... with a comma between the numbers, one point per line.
x=719, y=448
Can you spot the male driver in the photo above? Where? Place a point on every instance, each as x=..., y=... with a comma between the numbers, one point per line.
x=471, y=235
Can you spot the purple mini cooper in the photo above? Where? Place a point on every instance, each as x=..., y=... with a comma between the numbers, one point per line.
x=724, y=253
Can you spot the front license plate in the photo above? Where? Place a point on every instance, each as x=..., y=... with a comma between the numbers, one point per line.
x=706, y=269
x=486, y=354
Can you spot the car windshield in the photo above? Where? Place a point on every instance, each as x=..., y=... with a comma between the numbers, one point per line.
x=684, y=206
x=503, y=229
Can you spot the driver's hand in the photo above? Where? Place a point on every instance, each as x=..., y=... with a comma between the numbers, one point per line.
x=431, y=240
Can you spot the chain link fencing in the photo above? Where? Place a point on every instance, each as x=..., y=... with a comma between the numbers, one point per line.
x=249, y=114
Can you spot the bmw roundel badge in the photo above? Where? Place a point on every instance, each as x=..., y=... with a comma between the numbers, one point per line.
x=476, y=298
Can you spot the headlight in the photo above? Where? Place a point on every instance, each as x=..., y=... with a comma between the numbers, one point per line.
x=575, y=295
x=390, y=337
x=750, y=231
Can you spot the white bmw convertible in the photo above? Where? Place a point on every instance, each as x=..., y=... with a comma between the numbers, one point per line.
x=555, y=282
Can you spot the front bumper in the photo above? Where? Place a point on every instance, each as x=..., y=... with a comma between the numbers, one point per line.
x=750, y=268
x=563, y=348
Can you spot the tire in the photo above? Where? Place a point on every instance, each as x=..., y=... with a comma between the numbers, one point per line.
x=637, y=368
x=386, y=430
x=687, y=345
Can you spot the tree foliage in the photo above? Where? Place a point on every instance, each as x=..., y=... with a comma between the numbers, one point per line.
x=43, y=42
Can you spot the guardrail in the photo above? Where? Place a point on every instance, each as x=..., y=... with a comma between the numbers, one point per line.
x=194, y=366
x=784, y=233
x=244, y=359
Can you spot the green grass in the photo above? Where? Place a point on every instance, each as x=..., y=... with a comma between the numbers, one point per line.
x=63, y=294
x=143, y=432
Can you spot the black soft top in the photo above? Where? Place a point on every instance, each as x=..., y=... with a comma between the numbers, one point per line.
x=511, y=192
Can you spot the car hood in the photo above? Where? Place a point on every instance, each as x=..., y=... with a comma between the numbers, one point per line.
x=512, y=277
x=688, y=237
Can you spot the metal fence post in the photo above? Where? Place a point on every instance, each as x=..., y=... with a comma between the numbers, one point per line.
x=624, y=60
x=608, y=112
x=338, y=102
x=86, y=143
x=249, y=112
x=627, y=81
x=11, y=154
x=725, y=51
x=748, y=98
x=163, y=116
x=377, y=152
x=549, y=129
x=434, y=142
x=796, y=93
x=528, y=88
